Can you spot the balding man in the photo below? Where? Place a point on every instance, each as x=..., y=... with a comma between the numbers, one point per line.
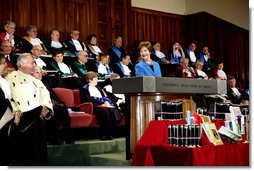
x=36, y=53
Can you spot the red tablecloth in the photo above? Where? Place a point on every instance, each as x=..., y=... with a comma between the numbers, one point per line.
x=153, y=150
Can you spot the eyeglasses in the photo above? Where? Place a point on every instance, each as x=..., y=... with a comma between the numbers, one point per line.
x=7, y=46
x=35, y=31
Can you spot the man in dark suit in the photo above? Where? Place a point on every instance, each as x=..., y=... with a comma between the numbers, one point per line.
x=74, y=45
x=233, y=93
x=122, y=67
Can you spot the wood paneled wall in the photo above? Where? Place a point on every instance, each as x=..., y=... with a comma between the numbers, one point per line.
x=155, y=26
x=225, y=41
x=63, y=15
x=110, y=18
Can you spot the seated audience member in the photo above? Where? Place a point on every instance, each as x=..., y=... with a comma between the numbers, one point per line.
x=10, y=36
x=147, y=67
x=93, y=49
x=190, y=53
x=105, y=108
x=108, y=87
x=36, y=53
x=205, y=57
x=157, y=55
x=184, y=71
x=176, y=54
x=69, y=78
x=198, y=70
x=103, y=68
x=233, y=93
x=121, y=68
x=74, y=44
x=80, y=65
x=55, y=43
x=32, y=39
x=61, y=116
x=116, y=51
x=6, y=50
x=52, y=79
x=219, y=72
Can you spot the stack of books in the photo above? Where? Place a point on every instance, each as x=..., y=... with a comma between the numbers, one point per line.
x=168, y=110
x=184, y=135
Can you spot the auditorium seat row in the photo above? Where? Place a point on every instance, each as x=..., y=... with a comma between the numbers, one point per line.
x=82, y=114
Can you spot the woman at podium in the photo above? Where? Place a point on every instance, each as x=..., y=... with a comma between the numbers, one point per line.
x=147, y=67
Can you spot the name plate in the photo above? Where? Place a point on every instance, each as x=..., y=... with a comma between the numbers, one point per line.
x=151, y=84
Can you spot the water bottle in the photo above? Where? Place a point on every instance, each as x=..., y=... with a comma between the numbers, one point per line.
x=188, y=117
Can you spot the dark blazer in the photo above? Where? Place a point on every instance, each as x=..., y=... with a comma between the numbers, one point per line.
x=72, y=48
x=92, y=52
x=118, y=68
x=85, y=96
x=4, y=103
x=115, y=54
x=143, y=69
x=79, y=68
x=187, y=55
x=232, y=96
x=47, y=44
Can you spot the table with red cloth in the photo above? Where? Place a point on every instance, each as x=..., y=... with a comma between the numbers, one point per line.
x=153, y=149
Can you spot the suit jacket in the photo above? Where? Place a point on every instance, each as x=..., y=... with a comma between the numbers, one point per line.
x=92, y=52
x=47, y=44
x=118, y=68
x=18, y=46
x=115, y=54
x=79, y=68
x=187, y=55
x=27, y=45
x=85, y=96
x=72, y=48
x=4, y=103
x=143, y=69
x=232, y=96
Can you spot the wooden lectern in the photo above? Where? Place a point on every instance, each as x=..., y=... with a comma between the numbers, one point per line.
x=145, y=91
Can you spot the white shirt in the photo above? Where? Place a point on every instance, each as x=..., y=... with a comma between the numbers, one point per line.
x=5, y=87
x=64, y=68
x=188, y=72
x=159, y=54
x=56, y=44
x=35, y=41
x=222, y=74
x=40, y=63
x=102, y=69
x=235, y=90
x=77, y=45
x=126, y=69
x=192, y=57
x=206, y=57
x=94, y=92
x=97, y=49
x=202, y=73
x=109, y=89
x=7, y=37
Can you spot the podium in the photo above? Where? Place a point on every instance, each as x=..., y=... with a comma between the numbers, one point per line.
x=144, y=92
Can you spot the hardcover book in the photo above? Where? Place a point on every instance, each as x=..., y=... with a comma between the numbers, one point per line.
x=212, y=133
